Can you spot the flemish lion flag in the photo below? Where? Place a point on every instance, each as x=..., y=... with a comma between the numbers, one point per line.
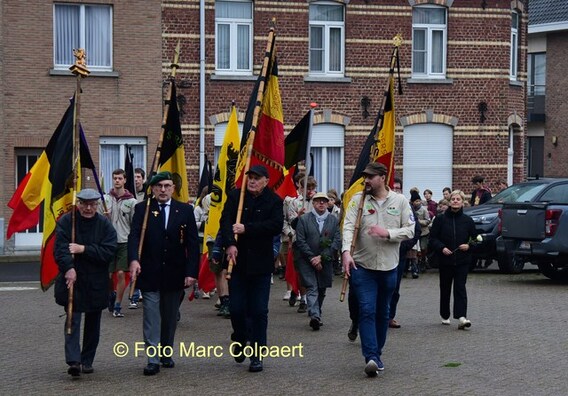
x=377, y=148
x=172, y=157
x=268, y=146
x=49, y=181
x=224, y=178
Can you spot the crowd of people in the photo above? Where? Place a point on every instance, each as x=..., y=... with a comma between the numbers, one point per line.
x=153, y=244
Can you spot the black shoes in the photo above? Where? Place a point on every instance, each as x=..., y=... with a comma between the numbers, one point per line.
x=87, y=369
x=168, y=363
x=315, y=324
x=255, y=366
x=74, y=370
x=152, y=369
x=293, y=298
x=303, y=308
x=237, y=353
x=353, y=330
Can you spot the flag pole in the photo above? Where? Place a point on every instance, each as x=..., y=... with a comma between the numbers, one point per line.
x=155, y=163
x=250, y=138
x=397, y=41
x=79, y=69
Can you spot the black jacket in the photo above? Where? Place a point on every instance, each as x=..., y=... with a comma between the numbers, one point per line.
x=263, y=219
x=90, y=292
x=451, y=230
x=168, y=255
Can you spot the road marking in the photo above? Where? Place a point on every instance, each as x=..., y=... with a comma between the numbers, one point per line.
x=17, y=288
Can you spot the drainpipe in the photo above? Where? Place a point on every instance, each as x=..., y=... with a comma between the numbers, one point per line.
x=201, y=85
x=510, y=154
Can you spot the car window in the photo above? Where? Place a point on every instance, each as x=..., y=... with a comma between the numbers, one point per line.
x=557, y=194
x=523, y=192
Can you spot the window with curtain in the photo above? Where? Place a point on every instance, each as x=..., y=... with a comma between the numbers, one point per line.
x=233, y=37
x=112, y=156
x=514, y=45
x=83, y=26
x=429, y=42
x=327, y=39
x=327, y=150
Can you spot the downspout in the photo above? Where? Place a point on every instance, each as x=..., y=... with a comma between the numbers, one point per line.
x=510, y=156
x=201, y=86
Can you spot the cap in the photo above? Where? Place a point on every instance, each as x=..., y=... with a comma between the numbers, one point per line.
x=158, y=177
x=414, y=195
x=88, y=194
x=258, y=170
x=375, y=168
x=320, y=195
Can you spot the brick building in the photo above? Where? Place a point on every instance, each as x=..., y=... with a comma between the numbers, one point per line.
x=463, y=73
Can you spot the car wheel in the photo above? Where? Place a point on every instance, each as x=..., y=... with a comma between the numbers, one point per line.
x=510, y=264
x=548, y=269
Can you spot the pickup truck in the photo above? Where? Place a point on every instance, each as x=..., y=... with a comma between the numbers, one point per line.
x=537, y=232
x=486, y=217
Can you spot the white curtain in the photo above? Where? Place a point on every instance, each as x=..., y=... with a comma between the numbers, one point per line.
x=243, y=47
x=437, y=51
x=316, y=48
x=223, y=46
x=97, y=35
x=66, y=33
x=335, y=49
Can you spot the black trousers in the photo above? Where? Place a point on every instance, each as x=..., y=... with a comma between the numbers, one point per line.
x=456, y=274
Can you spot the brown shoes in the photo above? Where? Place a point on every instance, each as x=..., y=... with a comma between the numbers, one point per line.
x=393, y=324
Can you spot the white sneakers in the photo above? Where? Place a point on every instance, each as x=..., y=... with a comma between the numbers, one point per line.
x=446, y=321
x=287, y=295
x=464, y=323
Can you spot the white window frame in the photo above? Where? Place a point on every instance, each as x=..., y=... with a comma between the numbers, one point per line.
x=82, y=38
x=234, y=24
x=121, y=142
x=429, y=30
x=220, y=130
x=29, y=239
x=514, y=58
x=326, y=136
x=327, y=27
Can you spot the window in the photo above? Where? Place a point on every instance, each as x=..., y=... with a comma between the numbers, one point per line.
x=83, y=26
x=327, y=39
x=327, y=150
x=514, y=45
x=30, y=238
x=220, y=130
x=429, y=40
x=233, y=37
x=437, y=174
x=113, y=155
x=537, y=74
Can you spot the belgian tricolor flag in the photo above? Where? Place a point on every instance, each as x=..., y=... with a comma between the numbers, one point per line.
x=49, y=181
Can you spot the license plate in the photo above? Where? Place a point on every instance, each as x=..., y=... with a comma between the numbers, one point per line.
x=525, y=245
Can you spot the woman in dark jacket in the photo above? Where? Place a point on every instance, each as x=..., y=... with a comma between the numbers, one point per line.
x=450, y=237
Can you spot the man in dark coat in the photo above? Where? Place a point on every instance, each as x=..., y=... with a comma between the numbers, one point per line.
x=317, y=241
x=168, y=263
x=248, y=244
x=83, y=264
x=481, y=194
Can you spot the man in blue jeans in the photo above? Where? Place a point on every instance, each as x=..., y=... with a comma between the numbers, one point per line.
x=386, y=220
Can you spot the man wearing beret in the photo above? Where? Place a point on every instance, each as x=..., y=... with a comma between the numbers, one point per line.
x=168, y=263
x=248, y=243
x=386, y=220
x=83, y=264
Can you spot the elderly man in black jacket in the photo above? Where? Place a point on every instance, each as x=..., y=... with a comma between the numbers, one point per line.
x=168, y=263
x=249, y=244
x=83, y=264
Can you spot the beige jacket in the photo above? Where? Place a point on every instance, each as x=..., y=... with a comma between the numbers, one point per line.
x=394, y=214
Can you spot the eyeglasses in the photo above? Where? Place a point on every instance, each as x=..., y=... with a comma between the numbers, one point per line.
x=86, y=204
x=163, y=186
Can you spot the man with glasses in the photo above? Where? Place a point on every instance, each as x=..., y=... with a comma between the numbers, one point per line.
x=169, y=262
x=83, y=260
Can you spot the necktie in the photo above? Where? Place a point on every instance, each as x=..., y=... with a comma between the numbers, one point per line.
x=163, y=214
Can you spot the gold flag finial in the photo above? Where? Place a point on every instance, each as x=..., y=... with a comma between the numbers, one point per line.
x=80, y=65
x=397, y=40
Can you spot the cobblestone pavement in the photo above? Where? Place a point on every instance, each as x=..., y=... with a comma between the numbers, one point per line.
x=517, y=345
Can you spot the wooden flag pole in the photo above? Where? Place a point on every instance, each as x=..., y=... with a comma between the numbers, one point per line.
x=155, y=163
x=397, y=41
x=79, y=69
x=252, y=132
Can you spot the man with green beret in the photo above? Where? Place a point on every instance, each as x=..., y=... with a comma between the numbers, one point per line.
x=169, y=262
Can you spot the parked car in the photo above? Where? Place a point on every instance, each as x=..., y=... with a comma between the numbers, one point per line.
x=486, y=218
x=537, y=232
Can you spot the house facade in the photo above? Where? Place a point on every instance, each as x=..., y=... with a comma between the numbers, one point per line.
x=462, y=73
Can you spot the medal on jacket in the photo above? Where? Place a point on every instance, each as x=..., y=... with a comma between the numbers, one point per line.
x=155, y=213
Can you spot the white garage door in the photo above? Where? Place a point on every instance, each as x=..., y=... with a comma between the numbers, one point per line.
x=427, y=158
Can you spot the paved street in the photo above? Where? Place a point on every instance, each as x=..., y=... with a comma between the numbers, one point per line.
x=517, y=345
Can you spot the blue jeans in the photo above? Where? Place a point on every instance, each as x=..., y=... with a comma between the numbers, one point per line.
x=374, y=291
x=249, y=307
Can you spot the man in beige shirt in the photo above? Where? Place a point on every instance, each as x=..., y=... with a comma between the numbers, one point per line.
x=386, y=220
